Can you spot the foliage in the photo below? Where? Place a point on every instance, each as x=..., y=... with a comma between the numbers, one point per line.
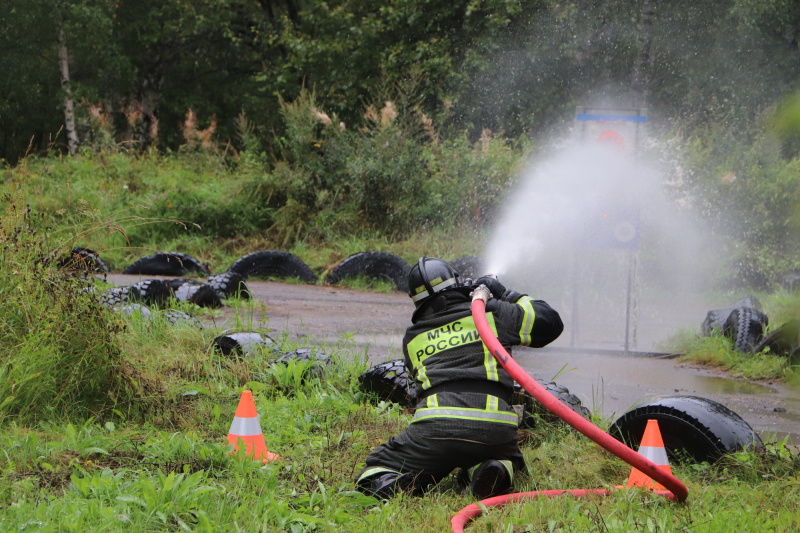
x=747, y=193
x=60, y=354
x=517, y=67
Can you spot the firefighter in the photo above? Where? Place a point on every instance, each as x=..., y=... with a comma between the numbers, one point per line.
x=463, y=417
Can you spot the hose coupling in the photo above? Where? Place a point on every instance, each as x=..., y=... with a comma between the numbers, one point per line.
x=481, y=292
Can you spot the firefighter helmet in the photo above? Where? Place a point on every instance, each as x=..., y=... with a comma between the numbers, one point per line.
x=429, y=276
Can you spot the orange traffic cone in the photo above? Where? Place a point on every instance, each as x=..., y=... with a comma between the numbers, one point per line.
x=652, y=447
x=246, y=428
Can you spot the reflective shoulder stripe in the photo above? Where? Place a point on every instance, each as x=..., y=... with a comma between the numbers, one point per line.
x=466, y=414
x=528, y=316
x=245, y=427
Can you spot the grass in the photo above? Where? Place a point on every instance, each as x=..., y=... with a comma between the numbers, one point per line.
x=120, y=474
x=716, y=351
x=159, y=460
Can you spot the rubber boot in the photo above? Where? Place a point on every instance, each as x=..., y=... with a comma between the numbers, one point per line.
x=386, y=485
x=491, y=478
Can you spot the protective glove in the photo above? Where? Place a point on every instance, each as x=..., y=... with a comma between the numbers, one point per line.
x=497, y=289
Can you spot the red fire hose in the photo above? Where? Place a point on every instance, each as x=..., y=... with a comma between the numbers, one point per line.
x=677, y=490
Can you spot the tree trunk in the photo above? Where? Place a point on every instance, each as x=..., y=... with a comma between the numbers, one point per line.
x=641, y=68
x=69, y=111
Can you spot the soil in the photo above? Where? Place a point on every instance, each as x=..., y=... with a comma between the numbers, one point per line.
x=607, y=382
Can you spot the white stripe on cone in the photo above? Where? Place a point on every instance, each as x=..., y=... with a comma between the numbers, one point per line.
x=245, y=427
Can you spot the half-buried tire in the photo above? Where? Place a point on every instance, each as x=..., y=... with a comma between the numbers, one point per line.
x=83, y=260
x=166, y=264
x=153, y=292
x=533, y=411
x=230, y=285
x=390, y=382
x=267, y=263
x=692, y=428
x=201, y=295
x=745, y=327
x=784, y=341
x=375, y=265
x=242, y=343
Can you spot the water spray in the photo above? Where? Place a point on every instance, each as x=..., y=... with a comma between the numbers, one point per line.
x=677, y=490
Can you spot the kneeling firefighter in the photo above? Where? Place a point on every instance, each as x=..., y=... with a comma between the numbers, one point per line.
x=464, y=418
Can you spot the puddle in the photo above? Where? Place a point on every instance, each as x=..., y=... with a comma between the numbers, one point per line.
x=716, y=385
x=610, y=385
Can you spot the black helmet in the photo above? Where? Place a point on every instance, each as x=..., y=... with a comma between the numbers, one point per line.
x=430, y=276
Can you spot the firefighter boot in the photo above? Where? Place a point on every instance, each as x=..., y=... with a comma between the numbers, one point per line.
x=385, y=485
x=491, y=478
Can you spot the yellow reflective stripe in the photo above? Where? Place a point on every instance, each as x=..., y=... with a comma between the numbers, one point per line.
x=432, y=401
x=528, y=316
x=492, y=403
x=489, y=361
x=464, y=413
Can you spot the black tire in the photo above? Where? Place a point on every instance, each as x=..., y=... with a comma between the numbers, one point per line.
x=783, y=341
x=166, y=264
x=715, y=318
x=305, y=354
x=119, y=295
x=692, y=428
x=267, y=263
x=242, y=343
x=390, y=382
x=468, y=267
x=153, y=292
x=230, y=285
x=201, y=295
x=174, y=317
x=176, y=283
x=130, y=309
x=376, y=265
x=745, y=327
x=533, y=411
x=83, y=260
x=319, y=359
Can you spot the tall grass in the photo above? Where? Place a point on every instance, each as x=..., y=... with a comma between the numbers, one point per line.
x=59, y=354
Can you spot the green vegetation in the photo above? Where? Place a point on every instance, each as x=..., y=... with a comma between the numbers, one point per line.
x=115, y=422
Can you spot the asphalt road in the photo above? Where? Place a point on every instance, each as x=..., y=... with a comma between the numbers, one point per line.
x=606, y=381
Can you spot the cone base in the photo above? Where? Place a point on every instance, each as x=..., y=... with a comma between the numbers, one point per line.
x=255, y=447
x=638, y=479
